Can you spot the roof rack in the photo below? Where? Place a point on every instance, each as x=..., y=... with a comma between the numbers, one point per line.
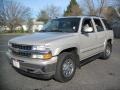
x=79, y=16
x=93, y=16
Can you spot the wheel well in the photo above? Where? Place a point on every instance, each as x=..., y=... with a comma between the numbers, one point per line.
x=109, y=41
x=75, y=51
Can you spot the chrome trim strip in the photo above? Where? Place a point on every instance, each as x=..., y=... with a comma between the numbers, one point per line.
x=28, y=51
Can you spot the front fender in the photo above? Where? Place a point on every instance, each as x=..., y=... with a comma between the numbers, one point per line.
x=58, y=50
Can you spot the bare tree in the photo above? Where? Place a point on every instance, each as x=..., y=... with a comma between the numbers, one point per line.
x=13, y=13
x=53, y=11
x=116, y=5
x=43, y=16
x=91, y=7
x=109, y=13
x=48, y=13
x=117, y=11
x=1, y=13
x=102, y=4
x=95, y=7
x=30, y=24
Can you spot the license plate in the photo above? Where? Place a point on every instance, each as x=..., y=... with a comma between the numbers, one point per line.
x=16, y=63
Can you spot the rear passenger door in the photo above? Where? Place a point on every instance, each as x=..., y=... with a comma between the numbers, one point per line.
x=100, y=33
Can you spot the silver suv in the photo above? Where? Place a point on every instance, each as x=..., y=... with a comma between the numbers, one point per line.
x=58, y=49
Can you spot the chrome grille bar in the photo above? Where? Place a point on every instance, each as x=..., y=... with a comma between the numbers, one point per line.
x=21, y=50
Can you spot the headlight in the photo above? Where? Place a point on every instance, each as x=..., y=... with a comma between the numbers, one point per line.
x=43, y=52
x=41, y=48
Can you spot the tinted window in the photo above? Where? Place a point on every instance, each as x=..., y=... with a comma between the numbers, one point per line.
x=98, y=25
x=106, y=25
x=86, y=23
x=62, y=25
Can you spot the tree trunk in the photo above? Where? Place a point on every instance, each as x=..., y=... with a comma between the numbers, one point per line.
x=117, y=11
x=11, y=28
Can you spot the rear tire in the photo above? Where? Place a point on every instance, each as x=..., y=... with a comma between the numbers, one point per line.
x=107, y=53
x=66, y=67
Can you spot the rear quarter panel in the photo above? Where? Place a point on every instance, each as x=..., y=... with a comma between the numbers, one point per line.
x=109, y=35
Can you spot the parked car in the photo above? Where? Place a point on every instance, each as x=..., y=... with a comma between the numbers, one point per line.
x=58, y=49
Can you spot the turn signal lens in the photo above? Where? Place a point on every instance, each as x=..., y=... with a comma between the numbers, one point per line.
x=47, y=56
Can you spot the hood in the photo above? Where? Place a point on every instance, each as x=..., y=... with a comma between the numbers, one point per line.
x=40, y=38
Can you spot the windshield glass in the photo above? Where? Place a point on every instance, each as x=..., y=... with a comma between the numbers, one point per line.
x=62, y=25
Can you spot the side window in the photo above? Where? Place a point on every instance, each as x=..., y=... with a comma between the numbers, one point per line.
x=87, y=22
x=106, y=24
x=98, y=25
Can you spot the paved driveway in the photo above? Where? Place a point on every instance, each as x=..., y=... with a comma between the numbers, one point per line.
x=97, y=75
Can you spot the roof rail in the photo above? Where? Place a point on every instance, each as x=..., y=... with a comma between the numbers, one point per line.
x=93, y=16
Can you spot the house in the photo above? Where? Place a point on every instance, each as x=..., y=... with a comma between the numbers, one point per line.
x=36, y=26
x=4, y=28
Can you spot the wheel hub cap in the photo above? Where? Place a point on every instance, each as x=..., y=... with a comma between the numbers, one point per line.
x=108, y=51
x=68, y=68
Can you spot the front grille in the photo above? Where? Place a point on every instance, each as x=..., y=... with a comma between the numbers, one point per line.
x=24, y=47
x=21, y=50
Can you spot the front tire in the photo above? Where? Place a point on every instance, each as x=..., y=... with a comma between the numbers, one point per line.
x=66, y=67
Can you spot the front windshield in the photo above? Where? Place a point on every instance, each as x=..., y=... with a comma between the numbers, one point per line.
x=62, y=25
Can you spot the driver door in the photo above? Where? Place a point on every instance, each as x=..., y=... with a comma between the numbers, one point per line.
x=88, y=41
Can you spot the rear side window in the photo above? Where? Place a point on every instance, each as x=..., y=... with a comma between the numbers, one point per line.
x=106, y=24
x=98, y=25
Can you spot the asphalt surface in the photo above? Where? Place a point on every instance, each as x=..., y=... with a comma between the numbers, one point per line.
x=96, y=75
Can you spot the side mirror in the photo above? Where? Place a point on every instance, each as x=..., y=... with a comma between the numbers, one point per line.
x=88, y=30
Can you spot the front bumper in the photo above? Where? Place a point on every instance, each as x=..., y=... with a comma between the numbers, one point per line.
x=35, y=67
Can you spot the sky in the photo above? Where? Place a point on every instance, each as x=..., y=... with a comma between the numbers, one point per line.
x=37, y=5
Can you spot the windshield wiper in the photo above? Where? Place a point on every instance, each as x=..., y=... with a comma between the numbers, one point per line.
x=43, y=31
x=50, y=30
x=57, y=30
